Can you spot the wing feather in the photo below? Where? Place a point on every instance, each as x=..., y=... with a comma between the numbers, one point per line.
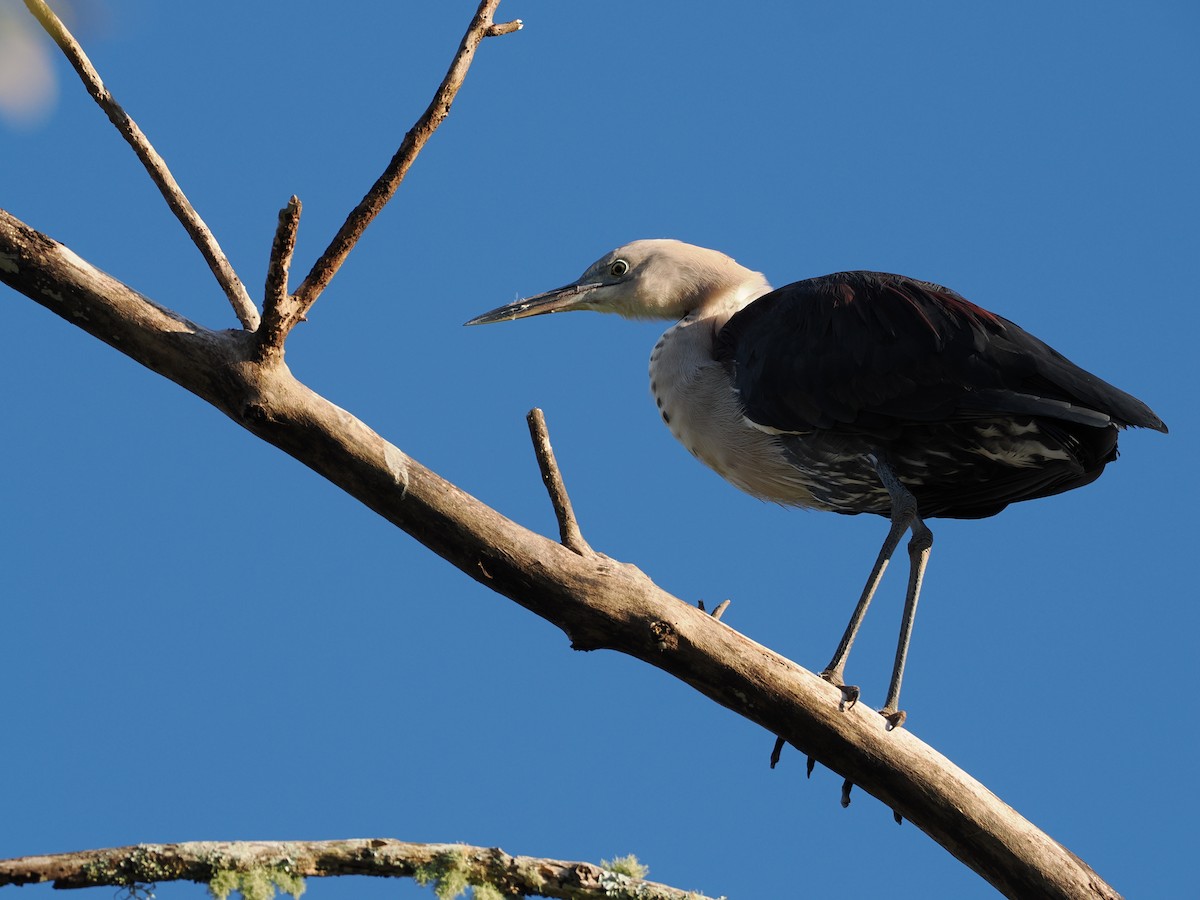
x=868, y=352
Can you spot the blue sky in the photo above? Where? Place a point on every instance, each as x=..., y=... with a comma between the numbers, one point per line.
x=203, y=640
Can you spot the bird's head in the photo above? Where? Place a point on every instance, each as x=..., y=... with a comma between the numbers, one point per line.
x=653, y=279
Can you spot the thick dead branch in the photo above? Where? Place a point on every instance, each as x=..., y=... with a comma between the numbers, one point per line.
x=284, y=862
x=385, y=187
x=598, y=602
x=201, y=236
x=568, y=526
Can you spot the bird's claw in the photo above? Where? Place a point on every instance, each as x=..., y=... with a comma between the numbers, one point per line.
x=777, y=751
x=895, y=717
x=849, y=696
x=850, y=692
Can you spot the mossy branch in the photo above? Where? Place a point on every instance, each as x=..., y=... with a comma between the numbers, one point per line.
x=257, y=869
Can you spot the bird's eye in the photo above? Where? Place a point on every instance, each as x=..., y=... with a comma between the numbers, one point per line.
x=618, y=268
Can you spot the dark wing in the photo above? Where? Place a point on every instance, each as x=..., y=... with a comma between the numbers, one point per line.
x=867, y=352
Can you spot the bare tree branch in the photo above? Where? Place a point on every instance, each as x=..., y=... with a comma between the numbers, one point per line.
x=597, y=601
x=201, y=236
x=281, y=311
x=278, y=305
x=568, y=527
x=285, y=862
x=385, y=187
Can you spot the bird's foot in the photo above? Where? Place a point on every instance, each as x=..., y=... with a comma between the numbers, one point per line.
x=850, y=692
x=777, y=751
x=895, y=717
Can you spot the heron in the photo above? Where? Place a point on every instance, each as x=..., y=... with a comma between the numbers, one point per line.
x=856, y=392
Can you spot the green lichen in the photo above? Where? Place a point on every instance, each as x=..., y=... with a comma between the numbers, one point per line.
x=531, y=876
x=146, y=865
x=135, y=874
x=223, y=883
x=447, y=873
x=626, y=865
x=255, y=884
x=100, y=871
x=452, y=875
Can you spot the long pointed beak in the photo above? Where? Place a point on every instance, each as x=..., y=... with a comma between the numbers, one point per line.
x=560, y=299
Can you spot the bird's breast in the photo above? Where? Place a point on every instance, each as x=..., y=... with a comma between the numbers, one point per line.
x=697, y=401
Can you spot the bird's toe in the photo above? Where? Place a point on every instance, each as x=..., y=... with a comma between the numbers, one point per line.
x=850, y=692
x=849, y=696
x=895, y=717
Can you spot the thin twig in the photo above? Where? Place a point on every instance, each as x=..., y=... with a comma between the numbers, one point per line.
x=720, y=610
x=281, y=253
x=226, y=277
x=277, y=304
x=568, y=527
x=504, y=27
x=385, y=187
x=286, y=862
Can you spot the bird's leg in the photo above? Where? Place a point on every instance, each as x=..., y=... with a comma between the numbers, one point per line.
x=903, y=514
x=918, y=558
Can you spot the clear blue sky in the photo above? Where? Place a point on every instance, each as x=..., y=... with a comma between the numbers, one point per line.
x=203, y=640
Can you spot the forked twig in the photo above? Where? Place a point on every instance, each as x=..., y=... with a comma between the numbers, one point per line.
x=568, y=526
x=201, y=236
x=385, y=187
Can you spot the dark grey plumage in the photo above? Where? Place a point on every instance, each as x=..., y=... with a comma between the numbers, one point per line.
x=971, y=411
